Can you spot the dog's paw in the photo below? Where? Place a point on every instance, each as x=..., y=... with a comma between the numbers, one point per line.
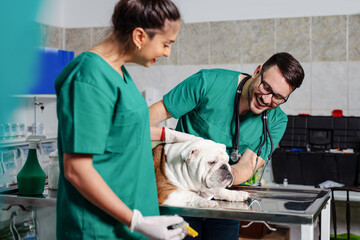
x=238, y=196
x=232, y=196
x=207, y=204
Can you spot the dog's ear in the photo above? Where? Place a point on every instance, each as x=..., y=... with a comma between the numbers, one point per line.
x=222, y=147
x=188, y=153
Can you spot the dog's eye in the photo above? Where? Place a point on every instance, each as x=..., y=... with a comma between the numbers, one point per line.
x=211, y=163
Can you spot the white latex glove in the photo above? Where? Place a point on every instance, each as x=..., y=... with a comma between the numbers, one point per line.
x=172, y=136
x=156, y=227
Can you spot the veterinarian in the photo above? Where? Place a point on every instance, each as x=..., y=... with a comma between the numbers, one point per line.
x=107, y=187
x=205, y=105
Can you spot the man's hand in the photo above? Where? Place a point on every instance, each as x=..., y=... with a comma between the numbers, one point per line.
x=244, y=169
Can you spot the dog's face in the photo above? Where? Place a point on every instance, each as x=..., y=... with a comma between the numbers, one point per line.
x=207, y=164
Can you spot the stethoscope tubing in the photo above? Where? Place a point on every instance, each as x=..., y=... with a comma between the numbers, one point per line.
x=237, y=113
x=266, y=131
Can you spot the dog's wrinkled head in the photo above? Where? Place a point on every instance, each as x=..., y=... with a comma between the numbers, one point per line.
x=207, y=163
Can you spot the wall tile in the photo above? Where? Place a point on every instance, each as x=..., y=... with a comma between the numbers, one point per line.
x=194, y=44
x=293, y=36
x=329, y=85
x=325, y=112
x=51, y=36
x=301, y=97
x=235, y=67
x=250, y=68
x=225, y=42
x=328, y=38
x=39, y=40
x=99, y=34
x=163, y=78
x=77, y=40
x=354, y=38
x=354, y=85
x=297, y=111
x=355, y=113
x=257, y=38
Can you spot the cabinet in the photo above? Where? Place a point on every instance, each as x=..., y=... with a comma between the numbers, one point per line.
x=50, y=63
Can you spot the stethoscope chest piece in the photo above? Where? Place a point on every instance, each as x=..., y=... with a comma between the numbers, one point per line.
x=235, y=156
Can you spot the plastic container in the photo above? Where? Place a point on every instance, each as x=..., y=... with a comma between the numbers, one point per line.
x=31, y=178
x=53, y=176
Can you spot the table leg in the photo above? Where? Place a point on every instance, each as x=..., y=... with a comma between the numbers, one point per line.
x=307, y=231
x=325, y=222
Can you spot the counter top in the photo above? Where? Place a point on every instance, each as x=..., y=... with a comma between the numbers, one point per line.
x=48, y=198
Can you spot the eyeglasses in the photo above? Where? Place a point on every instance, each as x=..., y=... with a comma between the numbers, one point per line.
x=265, y=89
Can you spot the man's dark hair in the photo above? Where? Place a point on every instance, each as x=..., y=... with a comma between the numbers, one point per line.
x=289, y=67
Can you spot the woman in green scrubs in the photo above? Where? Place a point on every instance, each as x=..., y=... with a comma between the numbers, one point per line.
x=107, y=187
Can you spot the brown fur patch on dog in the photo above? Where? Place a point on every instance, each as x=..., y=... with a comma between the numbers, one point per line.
x=164, y=186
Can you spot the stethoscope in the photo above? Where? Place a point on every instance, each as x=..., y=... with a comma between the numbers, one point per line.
x=235, y=155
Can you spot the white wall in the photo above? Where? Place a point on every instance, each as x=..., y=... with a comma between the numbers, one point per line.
x=97, y=13
x=76, y=13
x=224, y=10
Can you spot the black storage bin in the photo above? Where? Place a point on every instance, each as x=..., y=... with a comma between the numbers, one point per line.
x=312, y=165
x=286, y=164
x=340, y=133
x=346, y=133
x=296, y=132
x=353, y=133
x=347, y=168
x=313, y=168
x=279, y=165
x=294, y=163
x=330, y=167
x=358, y=175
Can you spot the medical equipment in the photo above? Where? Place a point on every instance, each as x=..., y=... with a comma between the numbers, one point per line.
x=186, y=228
x=235, y=155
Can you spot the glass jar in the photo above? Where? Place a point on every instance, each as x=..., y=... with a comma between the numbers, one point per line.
x=53, y=175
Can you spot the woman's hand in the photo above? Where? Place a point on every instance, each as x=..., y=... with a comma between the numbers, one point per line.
x=156, y=227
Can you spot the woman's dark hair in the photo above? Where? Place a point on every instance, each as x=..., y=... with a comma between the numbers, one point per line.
x=147, y=14
x=289, y=67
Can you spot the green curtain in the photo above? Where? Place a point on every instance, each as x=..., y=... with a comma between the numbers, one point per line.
x=19, y=38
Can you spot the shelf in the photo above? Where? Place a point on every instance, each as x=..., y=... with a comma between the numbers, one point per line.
x=47, y=199
x=35, y=95
x=22, y=141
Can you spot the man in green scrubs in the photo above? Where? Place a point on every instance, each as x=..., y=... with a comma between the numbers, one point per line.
x=204, y=105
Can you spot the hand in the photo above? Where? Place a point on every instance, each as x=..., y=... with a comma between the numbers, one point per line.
x=156, y=227
x=172, y=136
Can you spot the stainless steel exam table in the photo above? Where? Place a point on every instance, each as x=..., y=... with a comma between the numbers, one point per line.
x=266, y=204
x=271, y=205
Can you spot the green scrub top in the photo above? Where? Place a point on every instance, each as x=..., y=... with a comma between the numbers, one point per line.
x=204, y=105
x=101, y=113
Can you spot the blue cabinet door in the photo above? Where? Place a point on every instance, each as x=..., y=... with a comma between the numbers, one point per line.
x=50, y=63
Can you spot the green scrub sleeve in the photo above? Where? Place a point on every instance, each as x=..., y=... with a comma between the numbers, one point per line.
x=85, y=118
x=186, y=96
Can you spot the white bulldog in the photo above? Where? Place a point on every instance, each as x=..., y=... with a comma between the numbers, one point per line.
x=194, y=172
